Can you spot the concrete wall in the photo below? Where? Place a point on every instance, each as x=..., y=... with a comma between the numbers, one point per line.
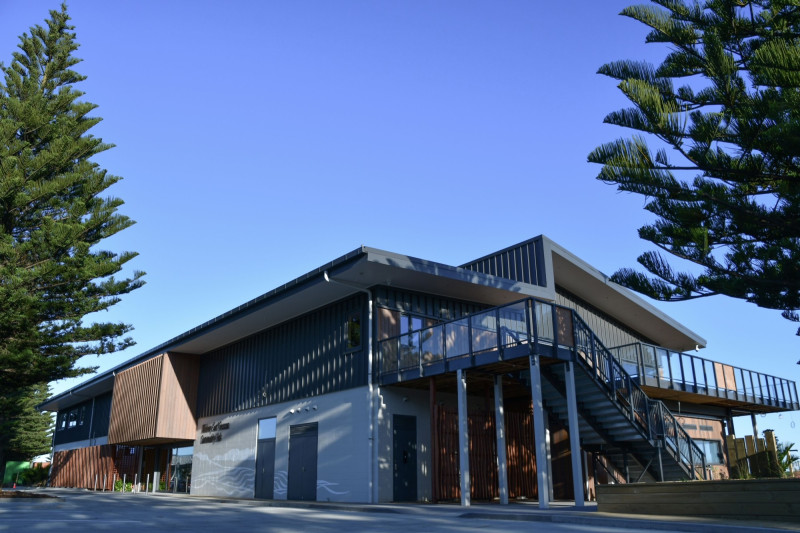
x=226, y=467
x=751, y=499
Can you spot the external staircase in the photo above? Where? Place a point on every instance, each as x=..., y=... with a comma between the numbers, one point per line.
x=636, y=434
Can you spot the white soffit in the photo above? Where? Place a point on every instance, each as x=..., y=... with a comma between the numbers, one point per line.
x=596, y=288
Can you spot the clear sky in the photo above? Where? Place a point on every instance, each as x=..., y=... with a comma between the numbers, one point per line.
x=260, y=139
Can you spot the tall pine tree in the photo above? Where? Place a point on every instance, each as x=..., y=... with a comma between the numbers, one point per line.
x=717, y=153
x=53, y=218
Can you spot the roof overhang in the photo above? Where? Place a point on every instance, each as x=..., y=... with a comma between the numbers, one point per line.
x=596, y=288
x=350, y=274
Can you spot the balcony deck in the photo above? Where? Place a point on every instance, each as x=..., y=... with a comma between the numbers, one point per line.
x=505, y=336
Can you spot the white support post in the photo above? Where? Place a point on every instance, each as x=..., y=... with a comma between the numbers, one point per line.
x=500, y=426
x=542, y=464
x=463, y=436
x=574, y=434
x=755, y=426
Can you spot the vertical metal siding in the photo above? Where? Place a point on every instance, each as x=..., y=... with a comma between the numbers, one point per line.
x=523, y=262
x=303, y=357
x=424, y=304
x=610, y=331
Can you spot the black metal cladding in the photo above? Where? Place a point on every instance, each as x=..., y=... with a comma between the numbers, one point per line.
x=86, y=420
x=523, y=262
x=421, y=304
x=101, y=417
x=303, y=357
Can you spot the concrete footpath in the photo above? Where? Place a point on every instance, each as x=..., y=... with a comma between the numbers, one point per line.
x=81, y=510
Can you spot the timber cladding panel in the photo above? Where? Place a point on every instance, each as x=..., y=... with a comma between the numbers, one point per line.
x=93, y=467
x=155, y=401
x=748, y=499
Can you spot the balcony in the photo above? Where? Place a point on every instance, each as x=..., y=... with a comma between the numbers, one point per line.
x=667, y=374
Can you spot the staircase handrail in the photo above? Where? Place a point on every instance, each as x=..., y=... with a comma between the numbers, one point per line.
x=652, y=416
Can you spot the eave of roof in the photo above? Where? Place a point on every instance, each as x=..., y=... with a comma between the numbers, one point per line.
x=362, y=268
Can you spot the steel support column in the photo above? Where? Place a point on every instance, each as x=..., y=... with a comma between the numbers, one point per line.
x=500, y=426
x=574, y=434
x=755, y=426
x=542, y=464
x=463, y=436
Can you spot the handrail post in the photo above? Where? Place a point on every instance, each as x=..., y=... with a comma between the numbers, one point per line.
x=469, y=342
x=498, y=333
x=533, y=337
x=554, y=312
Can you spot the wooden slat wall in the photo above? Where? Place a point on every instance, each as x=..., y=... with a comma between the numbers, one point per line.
x=483, y=455
x=155, y=400
x=78, y=468
x=178, y=398
x=134, y=410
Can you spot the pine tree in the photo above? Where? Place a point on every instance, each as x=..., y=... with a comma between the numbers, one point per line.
x=27, y=432
x=722, y=170
x=53, y=218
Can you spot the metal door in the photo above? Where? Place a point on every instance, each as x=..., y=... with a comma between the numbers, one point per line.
x=405, y=458
x=303, y=462
x=265, y=469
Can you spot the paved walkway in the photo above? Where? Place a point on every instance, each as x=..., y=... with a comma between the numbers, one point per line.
x=81, y=510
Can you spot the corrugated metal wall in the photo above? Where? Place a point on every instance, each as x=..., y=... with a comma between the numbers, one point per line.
x=101, y=415
x=304, y=357
x=426, y=305
x=610, y=331
x=523, y=262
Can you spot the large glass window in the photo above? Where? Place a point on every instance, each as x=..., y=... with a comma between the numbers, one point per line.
x=180, y=479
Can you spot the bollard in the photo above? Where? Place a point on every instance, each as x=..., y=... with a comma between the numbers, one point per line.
x=124, y=478
x=95, y=482
x=135, y=483
x=147, y=484
x=114, y=483
x=105, y=481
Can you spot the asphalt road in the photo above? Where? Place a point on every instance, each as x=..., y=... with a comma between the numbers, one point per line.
x=78, y=510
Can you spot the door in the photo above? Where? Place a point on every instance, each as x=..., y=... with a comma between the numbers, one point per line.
x=265, y=459
x=265, y=469
x=303, y=462
x=404, y=445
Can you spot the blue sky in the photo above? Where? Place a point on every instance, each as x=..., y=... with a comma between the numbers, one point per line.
x=260, y=139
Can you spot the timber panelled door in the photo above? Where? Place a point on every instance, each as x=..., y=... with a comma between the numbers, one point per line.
x=404, y=444
x=265, y=459
x=303, y=462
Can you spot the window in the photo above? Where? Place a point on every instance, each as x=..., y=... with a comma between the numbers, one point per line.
x=354, y=331
x=83, y=416
x=72, y=418
x=267, y=428
x=712, y=449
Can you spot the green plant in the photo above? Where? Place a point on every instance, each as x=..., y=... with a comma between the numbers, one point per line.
x=118, y=486
x=35, y=477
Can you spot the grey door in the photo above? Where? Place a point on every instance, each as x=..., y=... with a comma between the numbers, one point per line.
x=404, y=444
x=265, y=469
x=303, y=462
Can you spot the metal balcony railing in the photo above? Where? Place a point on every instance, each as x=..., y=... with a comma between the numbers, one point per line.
x=543, y=328
x=655, y=366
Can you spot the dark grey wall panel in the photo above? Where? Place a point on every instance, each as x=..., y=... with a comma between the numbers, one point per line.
x=610, y=331
x=424, y=304
x=88, y=424
x=522, y=262
x=303, y=357
x=101, y=416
